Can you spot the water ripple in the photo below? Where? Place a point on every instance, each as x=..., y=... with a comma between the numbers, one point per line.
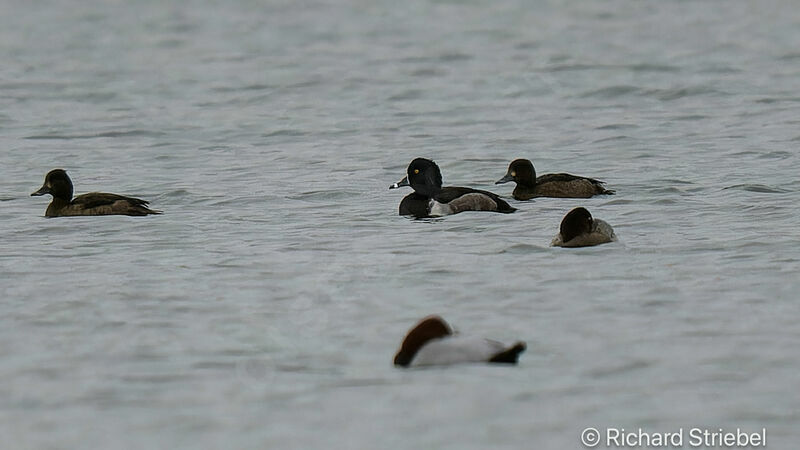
x=105, y=134
x=760, y=188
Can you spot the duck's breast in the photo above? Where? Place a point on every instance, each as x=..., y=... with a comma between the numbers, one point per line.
x=414, y=205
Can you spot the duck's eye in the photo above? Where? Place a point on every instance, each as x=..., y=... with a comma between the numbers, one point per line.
x=416, y=171
x=513, y=174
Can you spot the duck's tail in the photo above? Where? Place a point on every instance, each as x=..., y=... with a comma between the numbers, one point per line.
x=510, y=355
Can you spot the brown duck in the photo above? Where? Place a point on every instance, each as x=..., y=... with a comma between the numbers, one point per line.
x=561, y=185
x=58, y=184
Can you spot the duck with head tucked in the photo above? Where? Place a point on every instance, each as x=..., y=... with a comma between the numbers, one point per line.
x=560, y=185
x=431, y=342
x=430, y=199
x=58, y=184
x=580, y=229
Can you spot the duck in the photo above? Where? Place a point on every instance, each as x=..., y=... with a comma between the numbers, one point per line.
x=580, y=229
x=58, y=184
x=559, y=185
x=431, y=342
x=430, y=199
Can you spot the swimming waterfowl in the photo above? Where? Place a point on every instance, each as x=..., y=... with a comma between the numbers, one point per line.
x=560, y=185
x=580, y=229
x=58, y=184
x=430, y=199
x=431, y=342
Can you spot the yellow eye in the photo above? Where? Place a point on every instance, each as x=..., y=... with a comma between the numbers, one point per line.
x=513, y=174
x=416, y=171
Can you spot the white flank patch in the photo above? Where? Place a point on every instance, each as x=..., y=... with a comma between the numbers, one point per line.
x=439, y=209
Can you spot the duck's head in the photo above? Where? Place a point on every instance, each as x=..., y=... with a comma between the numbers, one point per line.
x=577, y=222
x=424, y=176
x=57, y=184
x=431, y=327
x=520, y=171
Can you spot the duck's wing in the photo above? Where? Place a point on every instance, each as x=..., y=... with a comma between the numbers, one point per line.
x=601, y=233
x=603, y=228
x=571, y=185
x=95, y=199
x=565, y=177
x=102, y=203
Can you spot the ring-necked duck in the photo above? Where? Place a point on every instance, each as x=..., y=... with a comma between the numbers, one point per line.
x=561, y=185
x=58, y=184
x=432, y=343
x=430, y=199
x=579, y=229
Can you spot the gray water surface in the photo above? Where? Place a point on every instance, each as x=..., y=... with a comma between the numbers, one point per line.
x=263, y=309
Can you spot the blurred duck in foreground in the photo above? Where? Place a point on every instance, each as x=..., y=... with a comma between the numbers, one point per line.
x=432, y=343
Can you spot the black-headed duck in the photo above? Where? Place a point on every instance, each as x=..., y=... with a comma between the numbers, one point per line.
x=430, y=199
x=58, y=184
x=560, y=185
x=580, y=229
x=431, y=342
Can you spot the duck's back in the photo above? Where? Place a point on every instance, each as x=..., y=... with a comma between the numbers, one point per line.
x=601, y=233
x=565, y=185
x=103, y=204
x=456, y=350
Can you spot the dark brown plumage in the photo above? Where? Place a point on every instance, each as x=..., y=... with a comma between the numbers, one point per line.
x=560, y=185
x=579, y=229
x=58, y=184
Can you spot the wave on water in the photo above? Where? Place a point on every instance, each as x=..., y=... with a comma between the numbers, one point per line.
x=313, y=196
x=105, y=134
x=760, y=188
x=644, y=67
x=612, y=91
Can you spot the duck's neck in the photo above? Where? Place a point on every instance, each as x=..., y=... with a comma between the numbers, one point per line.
x=524, y=192
x=527, y=183
x=428, y=191
x=56, y=205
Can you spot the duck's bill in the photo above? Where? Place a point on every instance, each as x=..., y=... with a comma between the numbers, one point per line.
x=505, y=179
x=401, y=183
x=43, y=190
